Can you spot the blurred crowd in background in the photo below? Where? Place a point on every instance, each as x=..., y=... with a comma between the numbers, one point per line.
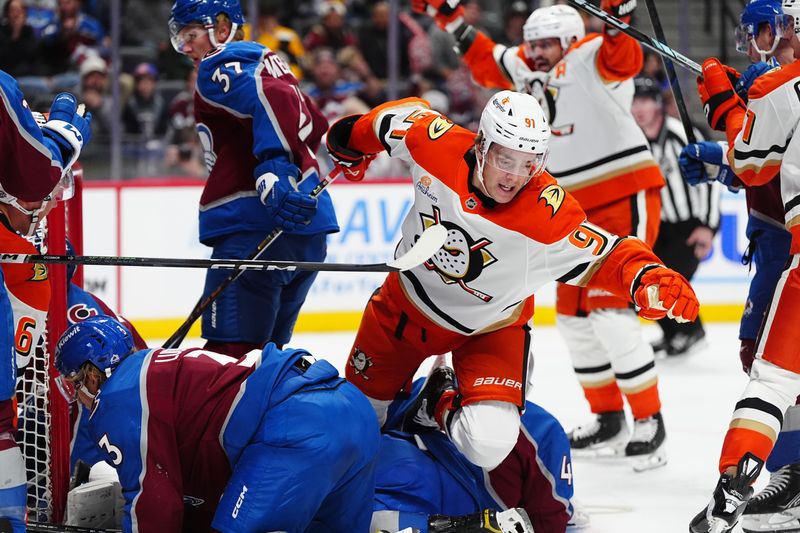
x=337, y=49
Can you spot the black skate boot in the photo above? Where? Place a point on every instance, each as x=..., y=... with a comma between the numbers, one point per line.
x=777, y=507
x=686, y=343
x=730, y=498
x=420, y=417
x=646, y=446
x=606, y=435
x=488, y=520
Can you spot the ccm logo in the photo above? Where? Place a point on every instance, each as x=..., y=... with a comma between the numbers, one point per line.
x=239, y=502
x=503, y=382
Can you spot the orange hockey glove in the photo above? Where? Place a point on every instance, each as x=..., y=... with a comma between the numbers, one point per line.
x=443, y=11
x=352, y=162
x=621, y=9
x=716, y=91
x=661, y=292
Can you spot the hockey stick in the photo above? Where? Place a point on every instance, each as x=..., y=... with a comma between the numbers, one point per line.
x=202, y=304
x=428, y=243
x=653, y=44
x=39, y=527
x=674, y=83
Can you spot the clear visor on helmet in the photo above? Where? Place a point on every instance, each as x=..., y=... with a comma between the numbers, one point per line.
x=517, y=162
x=180, y=35
x=746, y=34
x=64, y=189
x=68, y=387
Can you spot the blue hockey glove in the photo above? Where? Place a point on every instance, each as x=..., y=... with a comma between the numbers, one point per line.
x=742, y=86
x=67, y=129
x=705, y=161
x=290, y=208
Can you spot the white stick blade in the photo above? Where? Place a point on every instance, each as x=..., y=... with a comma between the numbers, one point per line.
x=428, y=243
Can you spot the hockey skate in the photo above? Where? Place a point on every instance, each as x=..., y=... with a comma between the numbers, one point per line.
x=605, y=436
x=646, y=447
x=686, y=343
x=777, y=507
x=488, y=520
x=730, y=498
x=420, y=417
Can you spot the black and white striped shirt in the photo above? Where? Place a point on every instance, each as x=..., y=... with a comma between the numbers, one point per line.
x=681, y=202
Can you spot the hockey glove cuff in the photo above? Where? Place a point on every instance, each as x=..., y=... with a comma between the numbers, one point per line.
x=67, y=130
x=444, y=12
x=661, y=292
x=750, y=75
x=620, y=9
x=705, y=161
x=352, y=162
x=716, y=91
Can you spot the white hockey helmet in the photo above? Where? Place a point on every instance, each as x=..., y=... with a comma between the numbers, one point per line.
x=63, y=191
x=517, y=122
x=558, y=21
x=792, y=8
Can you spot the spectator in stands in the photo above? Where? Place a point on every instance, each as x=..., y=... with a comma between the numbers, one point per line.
x=19, y=47
x=145, y=114
x=334, y=95
x=183, y=154
x=330, y=32
x=94, y=94
x=144, y=119
x=68, y=37
x=41, y=13
x=280, y=39
x=376, y=34
x=515, y=17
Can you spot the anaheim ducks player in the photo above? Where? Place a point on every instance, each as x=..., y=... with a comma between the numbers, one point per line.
x=601, y=156
x=763, y=146
x=512, y=229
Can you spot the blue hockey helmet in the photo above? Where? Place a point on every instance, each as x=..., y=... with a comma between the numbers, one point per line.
x=99, y=340
x=759, y=12
x=185, y=12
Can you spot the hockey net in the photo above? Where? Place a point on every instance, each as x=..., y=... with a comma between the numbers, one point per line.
x=43, y=416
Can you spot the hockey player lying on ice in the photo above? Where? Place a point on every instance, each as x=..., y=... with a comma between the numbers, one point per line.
x=269, y=442
x=512, y=229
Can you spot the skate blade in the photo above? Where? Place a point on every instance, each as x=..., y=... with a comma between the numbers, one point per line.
x=643, y=463
x=602, y=453
x=783, y=522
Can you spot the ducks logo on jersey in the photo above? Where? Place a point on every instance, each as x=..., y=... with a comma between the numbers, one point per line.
x=461, y=259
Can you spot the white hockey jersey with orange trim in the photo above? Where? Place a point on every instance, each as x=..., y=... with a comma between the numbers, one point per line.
x=496, y=255
x=762, y=140
x=597, y=151
x=26, y=290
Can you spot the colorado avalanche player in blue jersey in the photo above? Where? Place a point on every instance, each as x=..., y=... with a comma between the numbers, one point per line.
x=268, y=442
x=260, y=134
x=422, y=481
x=35, y=167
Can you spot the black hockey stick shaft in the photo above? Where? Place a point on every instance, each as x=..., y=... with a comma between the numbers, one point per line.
x=653, y=44
x=204, y=302
x=241, y=265
x=669, y=66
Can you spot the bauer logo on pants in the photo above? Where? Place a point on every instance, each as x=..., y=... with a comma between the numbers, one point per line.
x=360, y=363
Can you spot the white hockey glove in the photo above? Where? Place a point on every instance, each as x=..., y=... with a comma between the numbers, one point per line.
x=68, y=129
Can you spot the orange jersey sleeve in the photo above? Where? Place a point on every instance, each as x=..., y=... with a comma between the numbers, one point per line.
x=483, y=66
x=620, y=57
x=618, y=271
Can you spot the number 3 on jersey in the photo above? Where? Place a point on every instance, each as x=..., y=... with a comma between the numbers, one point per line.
x=113, y=451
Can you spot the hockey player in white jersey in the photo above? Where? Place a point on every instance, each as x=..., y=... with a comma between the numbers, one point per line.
x=511, y=229
x=762, y=147
x=600, y=155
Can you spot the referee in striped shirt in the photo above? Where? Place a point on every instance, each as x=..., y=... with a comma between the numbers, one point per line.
x=689, y=215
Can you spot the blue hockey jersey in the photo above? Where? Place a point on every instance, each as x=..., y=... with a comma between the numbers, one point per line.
x=250, y=113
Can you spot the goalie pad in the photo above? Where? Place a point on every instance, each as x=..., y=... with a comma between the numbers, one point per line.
x=96, y=504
